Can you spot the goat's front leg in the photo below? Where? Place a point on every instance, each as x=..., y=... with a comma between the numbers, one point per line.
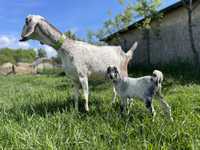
x=84, y=84
x=114, y=95
x=76, y=95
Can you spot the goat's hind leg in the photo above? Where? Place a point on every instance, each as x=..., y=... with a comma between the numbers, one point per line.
x=123, y=104
x=150, y=107
x=84, y=83
x=166, y=108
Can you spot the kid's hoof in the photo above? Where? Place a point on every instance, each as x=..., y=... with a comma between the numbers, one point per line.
x=86, y=108
x=171, y=119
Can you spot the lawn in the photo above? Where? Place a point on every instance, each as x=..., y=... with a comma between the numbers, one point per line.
x=37, y=113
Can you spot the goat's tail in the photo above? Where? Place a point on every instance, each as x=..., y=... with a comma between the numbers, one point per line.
x=159, y=75
x=129, y=54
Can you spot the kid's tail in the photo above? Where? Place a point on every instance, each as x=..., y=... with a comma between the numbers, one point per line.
x=159, y=75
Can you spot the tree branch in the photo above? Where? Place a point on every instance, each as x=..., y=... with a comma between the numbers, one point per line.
x=196, y=5
x=185, y=4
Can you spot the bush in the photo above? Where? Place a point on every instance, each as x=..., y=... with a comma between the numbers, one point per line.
x=17, y=55
x=53, y=71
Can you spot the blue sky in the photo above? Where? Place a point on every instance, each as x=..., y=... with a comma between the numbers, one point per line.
x=76, y=15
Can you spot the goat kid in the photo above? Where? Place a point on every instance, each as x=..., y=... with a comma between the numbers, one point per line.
x=144, y=88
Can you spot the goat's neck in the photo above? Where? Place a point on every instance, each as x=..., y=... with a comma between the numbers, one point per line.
x=47, y=33
x=117, y=82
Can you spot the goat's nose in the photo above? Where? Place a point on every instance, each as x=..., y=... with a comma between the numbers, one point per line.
x=23, y=39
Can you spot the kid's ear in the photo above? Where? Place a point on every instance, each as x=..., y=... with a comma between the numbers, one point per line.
x=108, y=69
x=115, y=68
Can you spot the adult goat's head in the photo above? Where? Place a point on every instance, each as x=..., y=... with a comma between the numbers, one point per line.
x=30, y=25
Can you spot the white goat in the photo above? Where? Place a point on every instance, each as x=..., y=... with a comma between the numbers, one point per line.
x=144, y=88
x=80, y=59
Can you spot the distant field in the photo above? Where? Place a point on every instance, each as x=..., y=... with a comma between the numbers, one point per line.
x=36, y=112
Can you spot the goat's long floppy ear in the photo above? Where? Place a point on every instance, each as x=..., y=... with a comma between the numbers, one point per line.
x=28, y=30
x=107, y=72
x=117, y=72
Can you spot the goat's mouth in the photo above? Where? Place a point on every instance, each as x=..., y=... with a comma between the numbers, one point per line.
x=23, y=39
x=111, y=77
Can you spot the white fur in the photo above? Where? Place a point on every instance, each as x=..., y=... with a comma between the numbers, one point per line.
x=144, y=88
x=35, y=17
x=81, y=60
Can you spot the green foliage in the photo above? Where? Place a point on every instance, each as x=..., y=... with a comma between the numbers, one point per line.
x=70, y=35
x=51, y=71
x=148, y=9
x=42, y=53
x=38, y=113
x=120, y=21
x=7, y=55
x=21, y=55
x=16, y=55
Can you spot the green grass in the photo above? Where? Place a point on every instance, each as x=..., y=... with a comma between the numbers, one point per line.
x=36, y=112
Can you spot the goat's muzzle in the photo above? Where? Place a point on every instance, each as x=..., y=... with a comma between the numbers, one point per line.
x=23, y=39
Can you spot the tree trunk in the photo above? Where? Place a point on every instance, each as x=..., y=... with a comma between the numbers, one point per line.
x=147, y=35
x=192, y=42
x=191, y=36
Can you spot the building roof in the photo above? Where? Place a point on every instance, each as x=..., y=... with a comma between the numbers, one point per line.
x=134, y=25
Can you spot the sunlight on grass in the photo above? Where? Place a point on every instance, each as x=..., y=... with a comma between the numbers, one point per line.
x=37, y=112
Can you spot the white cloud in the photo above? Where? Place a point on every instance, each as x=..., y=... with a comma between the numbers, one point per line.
x=24, y=45
x=12, y=42
x=5, y=41
x=50, y=51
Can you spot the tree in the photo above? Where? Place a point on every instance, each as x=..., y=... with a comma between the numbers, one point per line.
x=120, y=21
x=191, y=6
x=147, y=9
x=22, y=55
x=71, y=35
x=17, y=55
x=42, y=53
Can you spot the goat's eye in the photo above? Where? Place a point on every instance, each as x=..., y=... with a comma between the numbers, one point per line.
x=28, y=20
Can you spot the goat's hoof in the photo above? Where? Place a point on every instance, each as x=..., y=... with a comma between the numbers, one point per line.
x=87, y=109
x=171, y=119
x=112, y=103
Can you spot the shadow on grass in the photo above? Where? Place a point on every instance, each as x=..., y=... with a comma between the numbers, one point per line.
x=98, y=109
x=51, y=107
